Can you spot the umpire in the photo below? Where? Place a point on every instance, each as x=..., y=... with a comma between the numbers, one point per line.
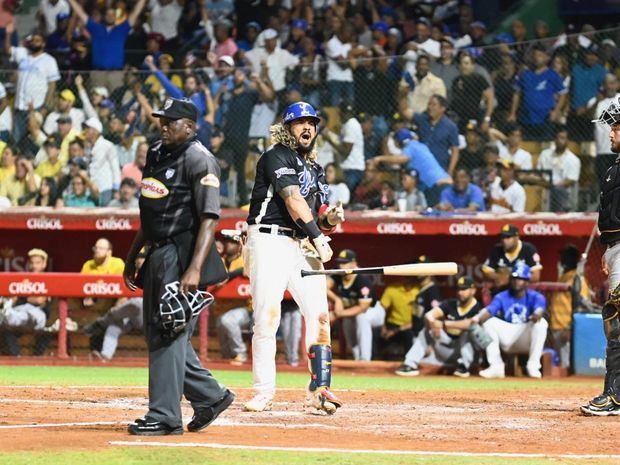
x=179, y=209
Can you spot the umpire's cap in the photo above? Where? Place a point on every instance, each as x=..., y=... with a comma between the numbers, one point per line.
x=176, y=109
x=300, y=110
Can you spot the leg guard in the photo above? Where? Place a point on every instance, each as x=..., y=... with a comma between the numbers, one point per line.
x=320, y=365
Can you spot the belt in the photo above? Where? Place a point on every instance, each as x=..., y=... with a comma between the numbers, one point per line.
x=162, y=242
x=280, y=231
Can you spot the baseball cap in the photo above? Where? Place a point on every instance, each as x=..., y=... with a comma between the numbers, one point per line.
x=423, y=20
x=403, y=135
x=592, y=49
x=37, y=253
x=253, y=24
x=68, y=95
x=80, y=162
x=395, y=32
x=64, y=119
x=380, y=26
x=107, y=103
x=227, y=59
x=100, y=90
x=491, y=147
x=62, y=16
x=93, y=123
x=422, y=259
x=503, y=163
x=608, y=42
x=346, y=256
x=52, y=141
x=479, y=24
x=509, y=230
x=465, y=282
x=167, y=57
x=176, y=109
x=447, y=40
x=156, y=36
x=300, y=24
x=412, y=173
x=270, y=34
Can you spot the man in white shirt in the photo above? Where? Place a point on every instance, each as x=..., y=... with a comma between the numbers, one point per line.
x=565, y=168
x=165, y=16
x=65, y=107
x=507, y=195
x=104, y=169
x=37, y=74
x=416, y=90
x=512, y=151
x=339, y=72
x=6, y=117
x=423, y=43
x=349, y=147
x=598, y=104
x=49, y=10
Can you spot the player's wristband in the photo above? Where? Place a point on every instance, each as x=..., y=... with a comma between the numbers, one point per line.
x=325, y=224
x=310, y=228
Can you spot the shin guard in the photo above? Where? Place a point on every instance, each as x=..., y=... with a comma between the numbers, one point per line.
x=320, y=365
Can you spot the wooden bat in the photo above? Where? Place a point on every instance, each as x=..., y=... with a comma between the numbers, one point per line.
x=411, y=269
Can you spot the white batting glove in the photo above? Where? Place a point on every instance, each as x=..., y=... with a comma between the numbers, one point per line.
x=321, y=244
x=335, y=214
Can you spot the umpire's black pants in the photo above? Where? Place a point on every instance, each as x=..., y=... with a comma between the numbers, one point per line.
x=174, y=368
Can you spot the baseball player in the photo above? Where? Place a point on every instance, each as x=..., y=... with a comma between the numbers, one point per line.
x=287, y=228
x=514, y=321
x=608, y=403
x=179, y=210
x=446, y=333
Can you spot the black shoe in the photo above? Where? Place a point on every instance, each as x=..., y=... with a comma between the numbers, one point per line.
x=143, y=427
x=601, y=406
x=406, y=370
x=203, y=417
x=461, y=371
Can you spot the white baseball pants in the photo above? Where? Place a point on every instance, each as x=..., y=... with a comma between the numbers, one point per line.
x=358, y=331
x=516, y=338
x=25, y=315
x=275, y=264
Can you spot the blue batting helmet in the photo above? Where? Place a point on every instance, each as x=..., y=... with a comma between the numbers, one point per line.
x=299, y=110
x=521, y=271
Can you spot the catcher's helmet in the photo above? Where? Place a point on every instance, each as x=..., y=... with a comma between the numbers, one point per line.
x=177, y=309
x=611, y=114
x=299, y=110
x=521, y=271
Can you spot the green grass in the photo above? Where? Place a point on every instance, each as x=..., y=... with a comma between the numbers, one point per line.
x=167, y=456
x=112, y=376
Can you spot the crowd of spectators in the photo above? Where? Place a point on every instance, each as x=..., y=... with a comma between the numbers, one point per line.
x=421, y=107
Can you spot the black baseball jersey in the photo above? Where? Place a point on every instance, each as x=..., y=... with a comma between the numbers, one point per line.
x=360, y=289
x=178, y=188
x=525, y=252
x=277, y=168
x=609, y=210
x=427, y=298
x=453, y=311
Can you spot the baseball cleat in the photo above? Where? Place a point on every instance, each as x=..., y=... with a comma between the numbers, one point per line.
x=461, y=371
x=406, y=370
x=259, y=403
x=494, y=371
x=324, y=400
x=203, y=417
x=239, y=359
x=601, y=406
x=143, y=427
x=533, y=372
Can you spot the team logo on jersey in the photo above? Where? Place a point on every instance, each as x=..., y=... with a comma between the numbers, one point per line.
x=299, y=163
x=323, y=192
x=517, y=313
x=306, y=182
x=152, y=188
x=169, y=173
x=210, y=180
x=284, y=171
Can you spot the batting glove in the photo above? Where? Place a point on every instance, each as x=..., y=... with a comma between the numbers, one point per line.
x=321, y=244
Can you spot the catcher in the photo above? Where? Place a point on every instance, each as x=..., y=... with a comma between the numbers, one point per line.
x=449, y=332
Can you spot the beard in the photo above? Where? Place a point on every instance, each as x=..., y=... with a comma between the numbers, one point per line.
x=615, y=147
x=304, y=150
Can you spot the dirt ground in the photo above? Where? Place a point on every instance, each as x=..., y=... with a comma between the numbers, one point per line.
x=527, y=421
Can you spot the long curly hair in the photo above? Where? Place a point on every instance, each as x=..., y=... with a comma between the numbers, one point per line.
x=280, y=134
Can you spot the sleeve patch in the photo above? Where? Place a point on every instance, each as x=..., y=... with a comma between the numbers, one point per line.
x=284, y=171
x=210, y=180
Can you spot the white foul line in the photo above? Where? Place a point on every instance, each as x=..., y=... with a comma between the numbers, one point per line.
x=58, y=425
x=362, y=451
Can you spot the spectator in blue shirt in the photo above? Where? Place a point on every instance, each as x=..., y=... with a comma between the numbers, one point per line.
x=586, y=80
x=439, y=133
x=539, y=96
x=108, y=42
x=417, y=156
x=461, y=196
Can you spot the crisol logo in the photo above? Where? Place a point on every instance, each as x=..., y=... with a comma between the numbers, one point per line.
x=113, y=224
x=44, y=223
x=243, y=290
x=153, y=189
x=468, y=229
x=542, y=229
x=28, y=287
x=102, y=288
x=395, y=228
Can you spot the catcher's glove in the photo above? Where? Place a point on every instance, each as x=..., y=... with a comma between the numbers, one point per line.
x=176, y=310
x=479, y=337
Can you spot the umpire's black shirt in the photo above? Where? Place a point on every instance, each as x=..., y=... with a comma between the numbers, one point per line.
x=280, y=167
x=178, y=188
x=609, y=208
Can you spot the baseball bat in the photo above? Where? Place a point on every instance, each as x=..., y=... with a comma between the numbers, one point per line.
x=411, y=269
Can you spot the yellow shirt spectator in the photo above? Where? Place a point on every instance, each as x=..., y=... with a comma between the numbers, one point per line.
x=398, y=301
x=49, y=169
x=112, y=265
x=15, y=189
x=6, y=173
x=561, y=303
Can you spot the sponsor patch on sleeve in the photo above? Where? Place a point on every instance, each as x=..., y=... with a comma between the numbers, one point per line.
x=284, y=171
x=210, y=180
